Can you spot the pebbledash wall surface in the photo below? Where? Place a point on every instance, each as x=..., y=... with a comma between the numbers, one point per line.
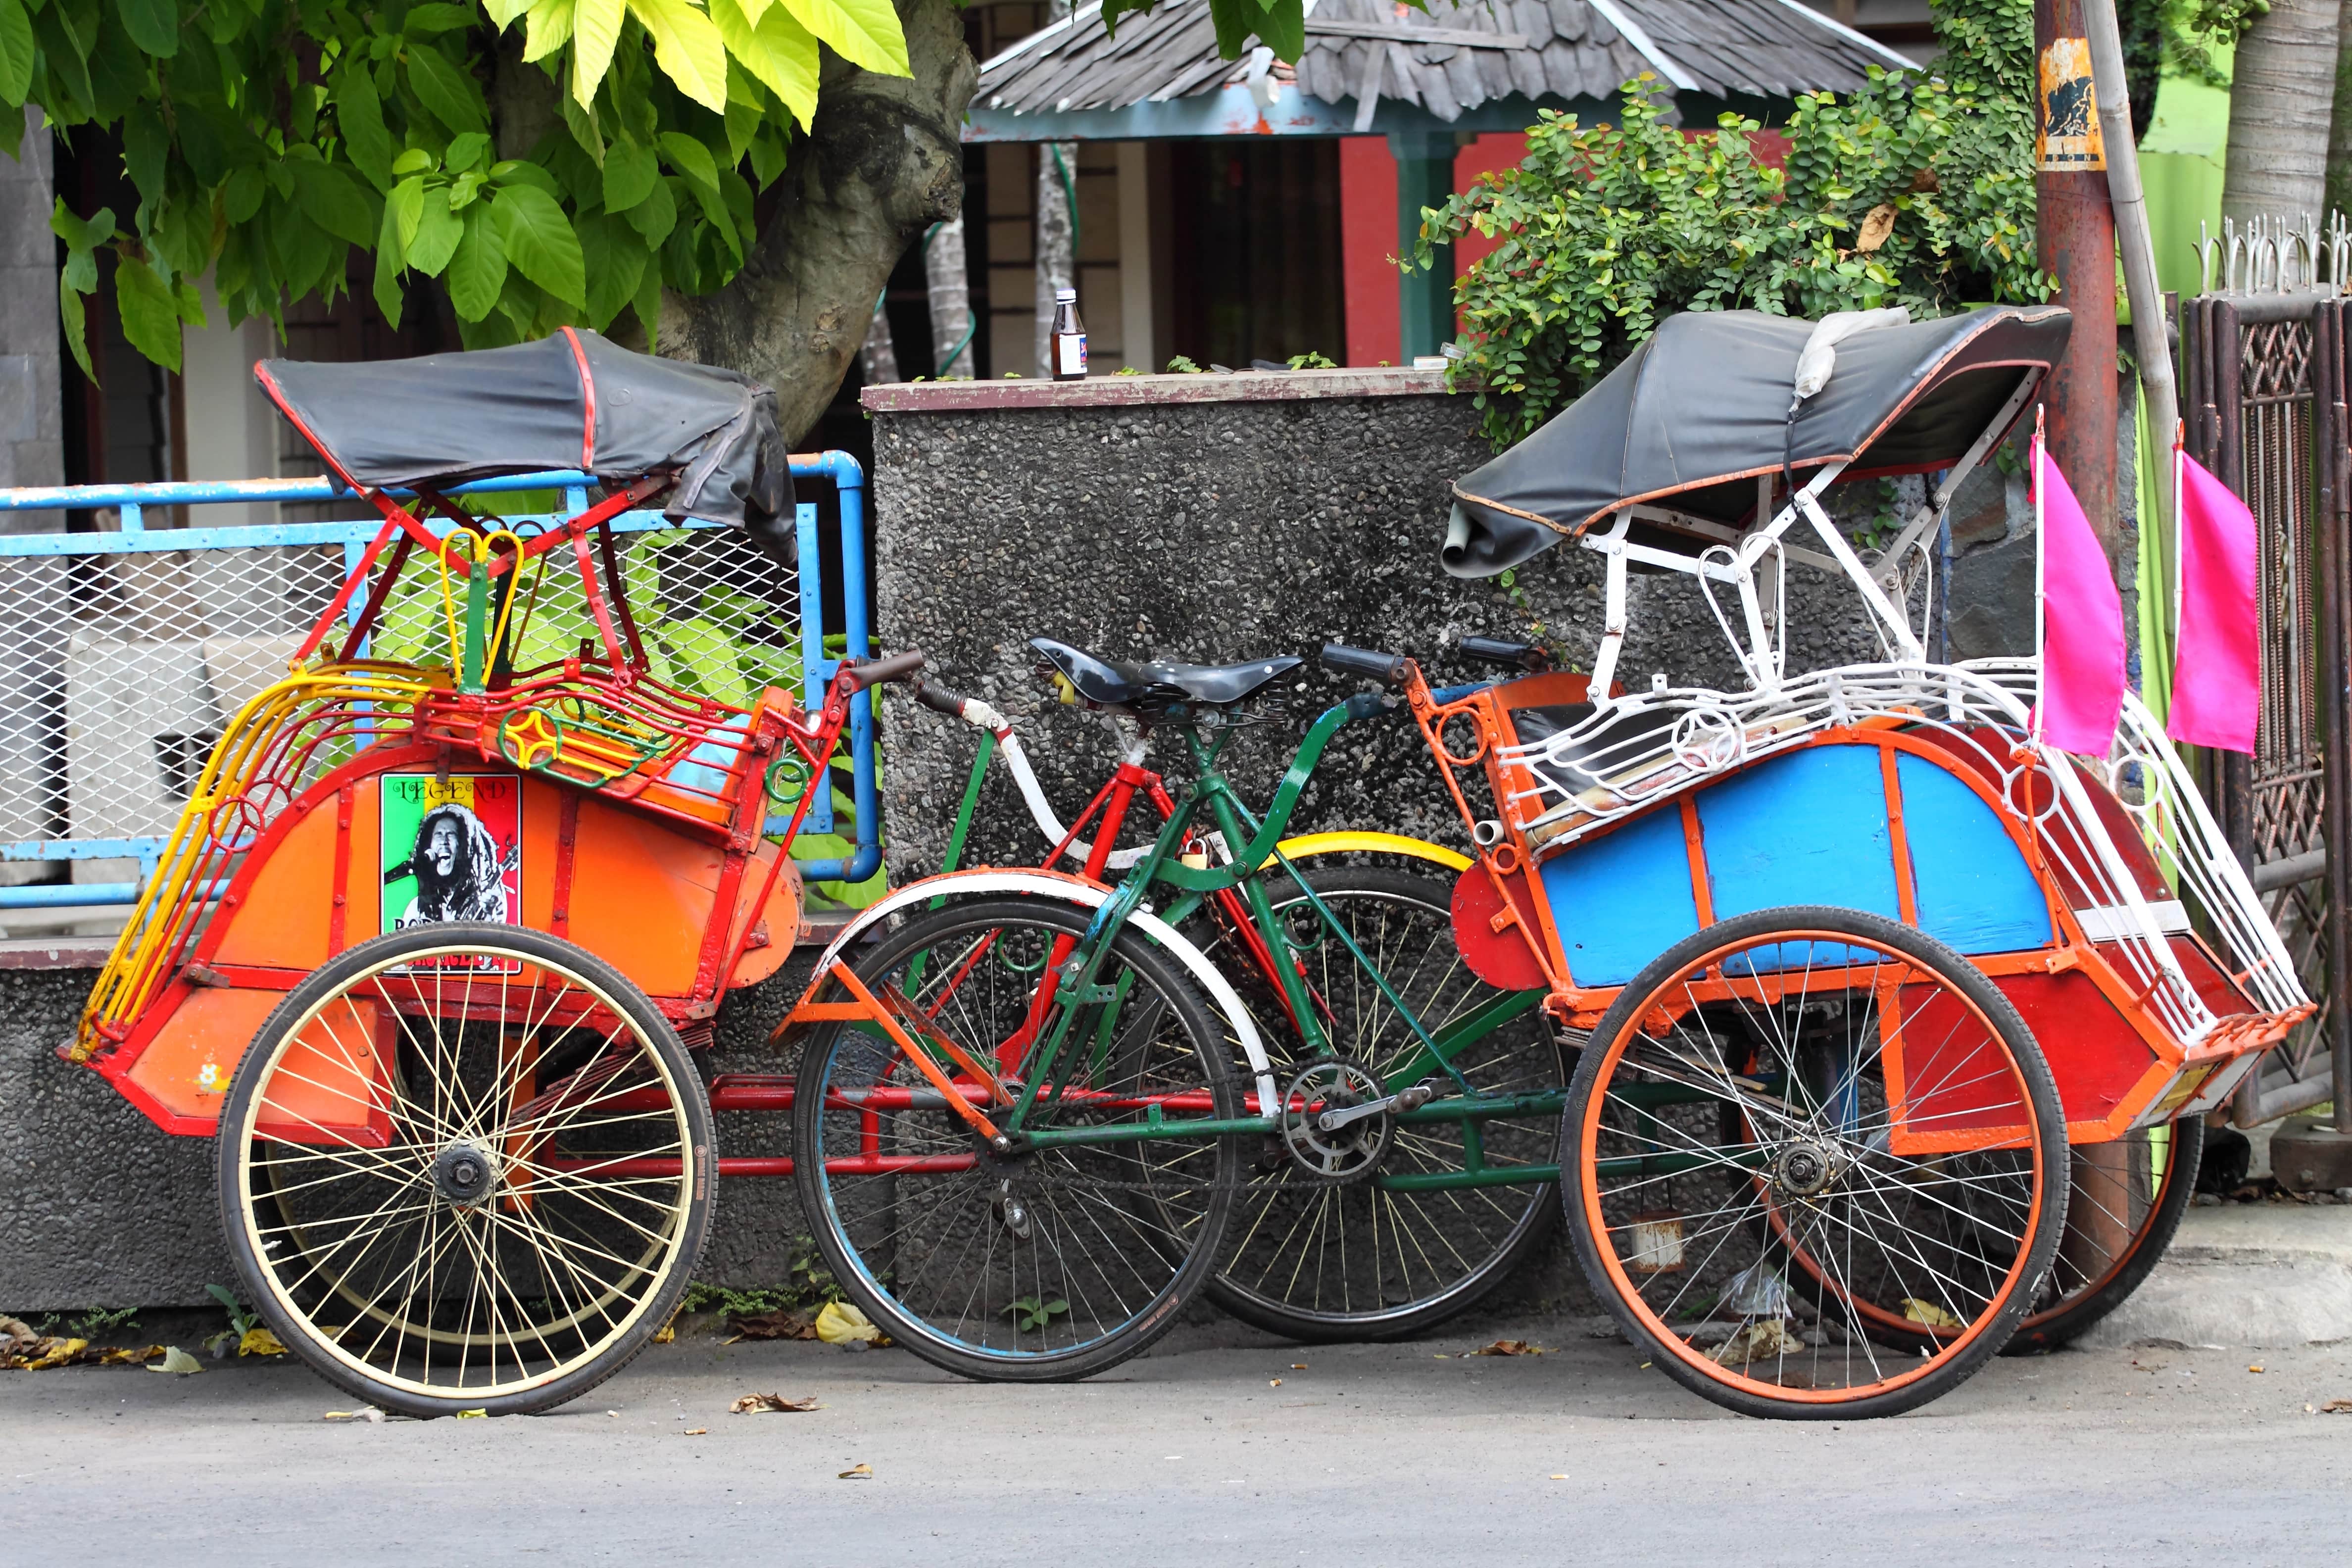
x=1205, y=518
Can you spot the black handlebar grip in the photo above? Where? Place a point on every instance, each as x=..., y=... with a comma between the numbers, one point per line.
x=1385, y=667
x=939, y=698
x=1502, y=650
x=880, y=672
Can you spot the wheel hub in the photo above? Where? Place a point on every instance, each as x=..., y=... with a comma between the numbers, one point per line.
x=1804, y=1170
x=465, y=1175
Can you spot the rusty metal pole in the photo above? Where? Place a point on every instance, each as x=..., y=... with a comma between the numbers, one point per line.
x=2075, y=225
x=2075, y=221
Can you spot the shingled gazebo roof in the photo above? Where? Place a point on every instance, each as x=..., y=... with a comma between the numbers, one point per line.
x=1445, y=63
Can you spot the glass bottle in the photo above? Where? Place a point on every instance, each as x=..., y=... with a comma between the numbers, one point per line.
x=1070, y=337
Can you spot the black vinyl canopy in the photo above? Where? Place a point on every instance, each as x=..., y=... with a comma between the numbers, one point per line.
x=1699, y=410
x=570, y=401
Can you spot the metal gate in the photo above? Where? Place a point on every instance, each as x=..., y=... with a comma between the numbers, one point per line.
x=2265, y=408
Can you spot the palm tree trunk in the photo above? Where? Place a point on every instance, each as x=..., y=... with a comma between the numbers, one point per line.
x=2281, y=97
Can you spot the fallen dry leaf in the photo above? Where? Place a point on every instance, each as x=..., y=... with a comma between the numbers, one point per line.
x=364, y=1413
x=775, y=1325
x=756, y=1404
x=1510, y=1347
x=121, y=1356
x=1877, y=225
x=2337, y=1407
x=857, y=1473
x=177, y=1361
x=475, y=1414
x=259, y=1341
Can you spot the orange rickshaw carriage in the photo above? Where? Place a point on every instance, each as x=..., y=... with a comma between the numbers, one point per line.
x=1853, y=955
x=430, y=941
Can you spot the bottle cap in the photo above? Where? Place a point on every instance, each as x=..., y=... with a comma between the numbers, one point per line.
x=1066, y=296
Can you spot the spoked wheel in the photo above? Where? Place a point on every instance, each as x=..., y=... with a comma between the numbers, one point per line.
x=1396, y=1252
x=1816, y=1164
x=1051, y=1261
x=2123, y=1207
x=466, y=1167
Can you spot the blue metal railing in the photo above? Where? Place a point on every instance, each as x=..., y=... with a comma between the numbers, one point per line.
x=848, y=481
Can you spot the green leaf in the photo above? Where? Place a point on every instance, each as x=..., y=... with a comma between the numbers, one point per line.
x=450, y=95
x=69, y=308
x=389, y=249
x=866, y=32
x=416, y=161
x=17, y=48
x=515, y=171
x=630, y=175
x=465, y=151
x=423, y=21
x=547, y=29
x=1283, y=29
x=241, y=196
x=689, y=51
x=154, y=24
x=477, y=271
x=404, y=214
x=67, y=55
x=656, y=216
x=504, y=12
x=692, y=159
x=541, y=243
x=330, y=199
x=438, y=231
x=615, y=258
x=144, y=151
x=150, y=315
x=582, y=124
x=596, y=28
x=359, y=114
x=776, y=49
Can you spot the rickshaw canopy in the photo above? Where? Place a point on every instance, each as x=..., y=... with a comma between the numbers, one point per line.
x=1698, y=412
x=570, y=401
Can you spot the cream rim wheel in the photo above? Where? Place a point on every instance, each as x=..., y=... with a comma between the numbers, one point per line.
x=514, y=1229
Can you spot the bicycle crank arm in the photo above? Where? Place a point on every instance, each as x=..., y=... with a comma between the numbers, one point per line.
x=1411, y=1099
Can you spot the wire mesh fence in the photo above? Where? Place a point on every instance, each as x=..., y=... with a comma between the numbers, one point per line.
x=125, y=651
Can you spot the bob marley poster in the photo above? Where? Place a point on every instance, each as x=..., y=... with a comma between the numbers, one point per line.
x=452, y=850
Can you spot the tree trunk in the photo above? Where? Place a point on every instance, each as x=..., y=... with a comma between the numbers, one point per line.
x=878, y=356
x=1058, y=240
x=882, y=162
x=2281, y=95
x=2339, y=136
x=950, y=276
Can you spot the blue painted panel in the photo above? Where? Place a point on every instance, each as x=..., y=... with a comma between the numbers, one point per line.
x=1974, y=888
x=1808, y=827
x=1619, y=900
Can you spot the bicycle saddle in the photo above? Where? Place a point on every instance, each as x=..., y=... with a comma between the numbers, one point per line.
x=1109, y=683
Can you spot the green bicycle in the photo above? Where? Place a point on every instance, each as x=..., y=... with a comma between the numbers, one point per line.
x=1082, y=1139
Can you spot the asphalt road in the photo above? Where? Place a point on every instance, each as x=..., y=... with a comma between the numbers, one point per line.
x=1366, y=1455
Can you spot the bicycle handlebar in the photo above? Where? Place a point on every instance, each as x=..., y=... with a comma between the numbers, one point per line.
x=1385, y=667
x=856, y=677
x=1503, y=652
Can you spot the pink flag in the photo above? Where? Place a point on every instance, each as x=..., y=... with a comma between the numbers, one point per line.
x=2082, y=623
x=2217, y=673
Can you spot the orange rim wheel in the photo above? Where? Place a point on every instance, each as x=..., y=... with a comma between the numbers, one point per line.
x=1815, y=1164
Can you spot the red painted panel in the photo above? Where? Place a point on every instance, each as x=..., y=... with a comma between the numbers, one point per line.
x=1958, y=1089
x=1501, y=958
x=1368, y=237
x=2093, y=1054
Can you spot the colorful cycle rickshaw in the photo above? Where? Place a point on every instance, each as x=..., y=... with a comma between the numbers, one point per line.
x=1860, y=978
x=431, y=941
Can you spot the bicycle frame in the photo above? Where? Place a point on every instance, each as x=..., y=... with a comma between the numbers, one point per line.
x=1036, y=1053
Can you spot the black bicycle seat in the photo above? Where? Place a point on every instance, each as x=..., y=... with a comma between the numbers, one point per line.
x=1113, y=683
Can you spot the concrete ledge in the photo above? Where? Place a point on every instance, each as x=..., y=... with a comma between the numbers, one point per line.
x=2256, y=1276
x=1134, y=390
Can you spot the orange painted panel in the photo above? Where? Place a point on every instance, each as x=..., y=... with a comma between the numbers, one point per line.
x=281, y=920
x=782, y=916
x=640, y=895
x=187, y=1067
x=325, y=1088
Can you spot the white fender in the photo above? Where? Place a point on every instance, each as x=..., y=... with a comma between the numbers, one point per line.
x=1086, y=895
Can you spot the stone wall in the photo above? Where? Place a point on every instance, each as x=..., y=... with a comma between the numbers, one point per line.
x=1215, y=518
